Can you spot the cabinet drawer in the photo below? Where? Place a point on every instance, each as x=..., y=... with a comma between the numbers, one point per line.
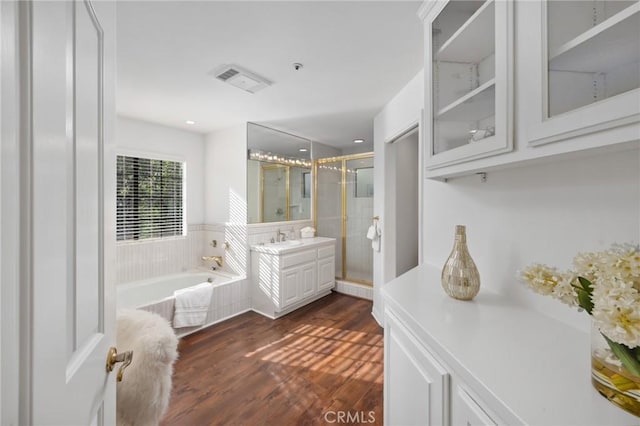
x=297, y=258
x=326, y=251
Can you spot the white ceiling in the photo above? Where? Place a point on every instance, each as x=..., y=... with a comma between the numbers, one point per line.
x=356, y=56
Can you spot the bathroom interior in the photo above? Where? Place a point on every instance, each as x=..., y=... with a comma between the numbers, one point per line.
x=281, y=183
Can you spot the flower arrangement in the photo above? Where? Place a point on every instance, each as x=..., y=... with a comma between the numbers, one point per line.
x=607, y=286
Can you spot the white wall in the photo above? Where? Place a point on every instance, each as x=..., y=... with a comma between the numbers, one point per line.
x=226, y=191
x=539, y=213
x=253, y=191
x=320, y=150
x=225, y=175
x=399, y=115
x=150, y=258
x=167, y=142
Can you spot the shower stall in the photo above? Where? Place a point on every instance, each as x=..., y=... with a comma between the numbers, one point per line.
x=344, y=209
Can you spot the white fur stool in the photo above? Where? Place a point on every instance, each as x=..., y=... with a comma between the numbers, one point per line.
x=143, y=395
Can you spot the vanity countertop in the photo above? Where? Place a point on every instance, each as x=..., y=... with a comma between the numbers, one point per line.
x=291, y=245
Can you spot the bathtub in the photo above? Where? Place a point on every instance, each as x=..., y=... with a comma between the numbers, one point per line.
x=230, y=295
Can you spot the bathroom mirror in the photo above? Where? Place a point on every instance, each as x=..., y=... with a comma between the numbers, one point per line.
x=278, y=176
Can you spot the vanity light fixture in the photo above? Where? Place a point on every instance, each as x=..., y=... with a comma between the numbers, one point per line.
x=190, y=122
x=358, y=140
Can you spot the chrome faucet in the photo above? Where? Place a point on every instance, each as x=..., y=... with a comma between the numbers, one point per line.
x=217, y=259
x=281, y=236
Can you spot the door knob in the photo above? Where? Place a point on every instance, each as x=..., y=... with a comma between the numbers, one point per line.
x=113, y=356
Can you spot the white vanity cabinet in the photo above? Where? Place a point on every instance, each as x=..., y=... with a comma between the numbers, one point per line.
x=584, y=69
x=288, y=275
x=483, y=362
x=468, y=80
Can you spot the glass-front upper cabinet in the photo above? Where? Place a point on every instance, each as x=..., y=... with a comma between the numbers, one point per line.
x=468, y=80
x=590, y=54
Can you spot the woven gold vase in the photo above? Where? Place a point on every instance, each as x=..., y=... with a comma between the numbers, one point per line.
x=460, y=277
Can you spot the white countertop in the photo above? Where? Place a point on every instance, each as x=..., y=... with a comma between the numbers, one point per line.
x=291, y=245
x=536, y=366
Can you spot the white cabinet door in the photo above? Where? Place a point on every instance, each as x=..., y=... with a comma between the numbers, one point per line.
x=416, y=386
x=326, y=273
x=584, y=69
x=290, y=283
x=468, y=80
x=309, y=277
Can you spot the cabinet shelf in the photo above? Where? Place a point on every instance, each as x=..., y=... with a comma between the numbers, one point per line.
x=475, y=105
x=471, y=42
x=603, y=47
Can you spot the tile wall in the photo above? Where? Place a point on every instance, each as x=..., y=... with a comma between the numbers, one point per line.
x=147, y=259
x=352, y=289
x=263, y=232
x=154, y=258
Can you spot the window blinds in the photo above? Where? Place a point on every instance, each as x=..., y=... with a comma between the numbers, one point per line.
x=150, y=198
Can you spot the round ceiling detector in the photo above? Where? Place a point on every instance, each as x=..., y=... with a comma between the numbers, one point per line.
x=297, y=66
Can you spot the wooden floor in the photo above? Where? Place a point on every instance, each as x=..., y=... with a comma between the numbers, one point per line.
x=307, y=368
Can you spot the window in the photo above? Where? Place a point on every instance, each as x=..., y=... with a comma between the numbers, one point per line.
x=150, y=198
x=364, y=182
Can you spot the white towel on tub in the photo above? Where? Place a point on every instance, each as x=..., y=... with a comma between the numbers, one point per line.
x=192, y=305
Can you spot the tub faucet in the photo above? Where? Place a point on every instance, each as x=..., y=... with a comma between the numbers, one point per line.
x=217, y=259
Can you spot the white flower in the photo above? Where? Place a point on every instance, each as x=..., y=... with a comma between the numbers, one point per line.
x=615, y=293
x=586, y=265
x=565, y=291
x=549, y=281
x=616, y=310
x=541, y=278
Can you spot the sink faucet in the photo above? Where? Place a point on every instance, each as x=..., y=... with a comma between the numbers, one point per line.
x=217, y=259
x=281, y=236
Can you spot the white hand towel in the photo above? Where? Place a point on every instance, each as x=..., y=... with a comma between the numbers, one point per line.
x=192, y=305
x=372, y=233
x=375, y=244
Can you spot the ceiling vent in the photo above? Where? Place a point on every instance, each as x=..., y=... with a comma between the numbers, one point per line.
x=240, y=78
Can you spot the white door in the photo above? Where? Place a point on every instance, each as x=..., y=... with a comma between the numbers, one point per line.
x=72, y=205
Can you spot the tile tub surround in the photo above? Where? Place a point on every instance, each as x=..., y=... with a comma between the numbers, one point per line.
x=229, y=298
x=140, y=260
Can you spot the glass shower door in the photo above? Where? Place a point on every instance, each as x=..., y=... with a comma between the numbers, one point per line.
x=344, y=209
x=329, y=205
x=358, y=199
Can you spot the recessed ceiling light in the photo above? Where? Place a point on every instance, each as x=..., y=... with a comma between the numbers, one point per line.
x=303, y=150
x=190, y=122
x=358, y=140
